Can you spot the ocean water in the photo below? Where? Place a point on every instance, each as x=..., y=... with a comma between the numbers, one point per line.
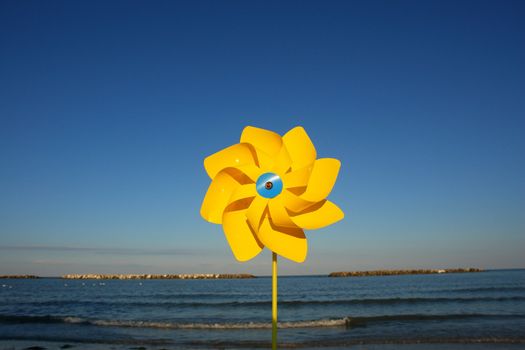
x=314, y=311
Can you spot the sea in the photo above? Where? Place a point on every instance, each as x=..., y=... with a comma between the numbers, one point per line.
x=314, y=311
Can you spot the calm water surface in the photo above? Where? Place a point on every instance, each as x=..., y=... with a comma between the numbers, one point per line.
x=486, y=307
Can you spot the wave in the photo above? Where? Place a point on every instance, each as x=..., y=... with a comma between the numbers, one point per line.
x=189, y=295
x=479, y=289
x=211, y=295
x=333, y=322
x=265, y=303
x=169, y=325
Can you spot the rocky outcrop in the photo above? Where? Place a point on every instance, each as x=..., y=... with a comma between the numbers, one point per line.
x=400, y=272
x=19, y=276
x=151, y=277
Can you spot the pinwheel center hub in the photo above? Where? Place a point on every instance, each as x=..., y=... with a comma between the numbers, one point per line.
x=269, y=185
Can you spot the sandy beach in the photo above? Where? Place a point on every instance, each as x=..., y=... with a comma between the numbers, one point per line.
x=46, y=345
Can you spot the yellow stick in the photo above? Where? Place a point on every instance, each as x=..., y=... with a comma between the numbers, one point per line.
x=274, y=301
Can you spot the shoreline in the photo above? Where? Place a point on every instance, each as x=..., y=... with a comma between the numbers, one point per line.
x=403, y=272
x=198, y=276
x=379, y=344
x=365, y=273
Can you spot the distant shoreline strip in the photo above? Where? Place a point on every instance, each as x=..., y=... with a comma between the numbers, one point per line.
x=243, y=276
x=402, y=272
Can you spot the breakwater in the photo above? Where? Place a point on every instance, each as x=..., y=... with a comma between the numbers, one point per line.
x=401, y=272
x=19, y=276
x=198, y=276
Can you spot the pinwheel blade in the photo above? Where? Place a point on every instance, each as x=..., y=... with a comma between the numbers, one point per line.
x=265, y=140
x=295, y=203
x=298, y=178
x=319, y=215
x=283, y=162
x=250, y=170
x=286, y=241
x=278, y=213
x=242, y=192
x=233, y=156
x=300, y=147
x=243, y=243
x=266, y=144
x=322, y=179
x=256, y=211
x=217, y=197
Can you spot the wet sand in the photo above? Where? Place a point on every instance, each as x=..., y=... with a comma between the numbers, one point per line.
x=46, y=345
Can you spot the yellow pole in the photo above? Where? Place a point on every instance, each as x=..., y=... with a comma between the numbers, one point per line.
x=274, y=301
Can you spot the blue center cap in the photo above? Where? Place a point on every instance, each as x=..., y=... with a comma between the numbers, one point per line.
x=269, y=185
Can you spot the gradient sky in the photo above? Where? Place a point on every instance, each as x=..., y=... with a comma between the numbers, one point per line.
x=108, y=108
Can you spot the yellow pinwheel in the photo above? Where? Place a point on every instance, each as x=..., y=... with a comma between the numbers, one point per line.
x=266, y=189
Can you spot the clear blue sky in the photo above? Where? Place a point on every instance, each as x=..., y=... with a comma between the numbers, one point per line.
x=108, y=108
